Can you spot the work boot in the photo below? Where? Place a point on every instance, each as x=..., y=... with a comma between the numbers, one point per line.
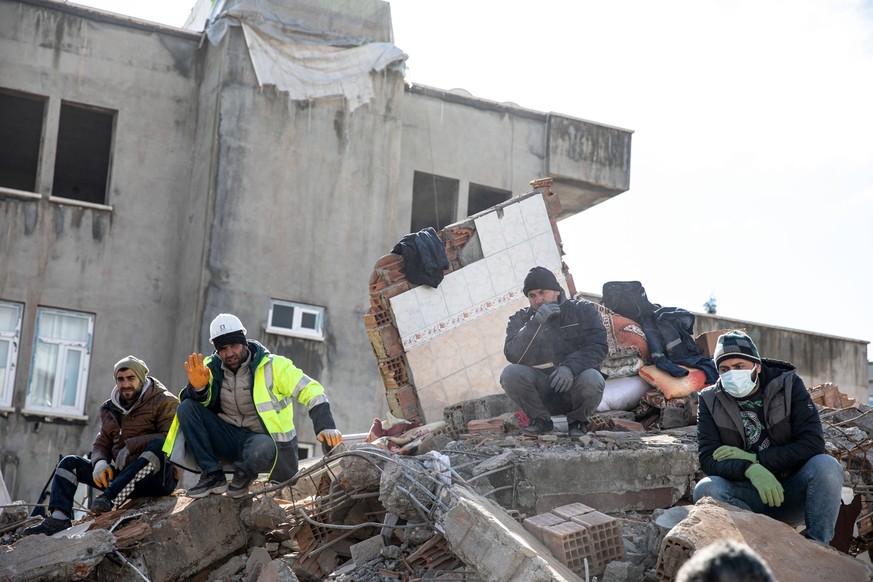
x=239, y=486
x=576, y=429
x=538, y=426
x=101, y=505
x=49, y=526
x=214, y=482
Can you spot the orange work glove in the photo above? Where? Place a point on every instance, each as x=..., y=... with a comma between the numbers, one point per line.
x=198, y=373
x=330, y=436
x=102, y=474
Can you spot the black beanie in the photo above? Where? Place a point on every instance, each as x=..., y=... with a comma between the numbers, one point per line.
x=540, y=278
x=234, y=337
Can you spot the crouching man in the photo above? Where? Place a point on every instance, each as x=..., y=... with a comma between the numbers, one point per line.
x=237, y=413
x=554, y=347
x=126, y=458
x=761, y=444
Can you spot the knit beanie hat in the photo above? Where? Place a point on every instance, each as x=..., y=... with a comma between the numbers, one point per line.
x=735, y=344
x=133, y=364
x=540, y=278
x=234, y=337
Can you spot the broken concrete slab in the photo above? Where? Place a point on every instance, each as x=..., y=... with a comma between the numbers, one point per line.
x=185, y=536
x=641, y=478
x=789, y=555
x=363, y=552
x=510, y=554
x=42, y=558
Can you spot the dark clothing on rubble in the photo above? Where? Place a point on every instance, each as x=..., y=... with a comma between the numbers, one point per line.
x=671, y=343
x=791, y=421
x=669, y=330
x=576, y=339
x=424, y=257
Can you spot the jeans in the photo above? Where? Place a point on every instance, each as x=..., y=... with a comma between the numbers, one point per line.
x=212, y=440
x=149, y=475
x=530, y=389
x=812, y=496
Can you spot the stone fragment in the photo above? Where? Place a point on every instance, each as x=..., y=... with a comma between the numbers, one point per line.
x=789, y=555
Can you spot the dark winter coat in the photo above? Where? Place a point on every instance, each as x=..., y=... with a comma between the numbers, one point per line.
x=791, y=419
x=576, y=339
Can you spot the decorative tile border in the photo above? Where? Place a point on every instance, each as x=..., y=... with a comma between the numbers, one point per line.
x=452, y=322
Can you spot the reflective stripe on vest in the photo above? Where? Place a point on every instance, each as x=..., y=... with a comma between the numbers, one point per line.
x=275, y=404
x=316, y=400
x=301, y=384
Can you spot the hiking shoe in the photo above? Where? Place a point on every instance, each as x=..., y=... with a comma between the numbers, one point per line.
x=577, y=429
x=209, y=483
x=239, y=486
x=538, y=426
x=49, y=526
x=101, y=505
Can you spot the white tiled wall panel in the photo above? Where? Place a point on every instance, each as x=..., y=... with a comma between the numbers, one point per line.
x=454, y=335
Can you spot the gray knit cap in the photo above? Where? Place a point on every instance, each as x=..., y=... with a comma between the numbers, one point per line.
x=133, y=364
x=735, y=344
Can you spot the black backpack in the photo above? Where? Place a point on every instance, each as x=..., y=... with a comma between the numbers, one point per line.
x=628, y=298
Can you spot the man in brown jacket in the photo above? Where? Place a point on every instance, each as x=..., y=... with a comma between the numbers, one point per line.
x=126, y=459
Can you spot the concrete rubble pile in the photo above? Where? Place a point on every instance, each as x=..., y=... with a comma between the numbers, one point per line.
x=466, y=499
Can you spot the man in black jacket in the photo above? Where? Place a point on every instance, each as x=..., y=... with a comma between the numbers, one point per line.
x=761, y=444
x=554, y=347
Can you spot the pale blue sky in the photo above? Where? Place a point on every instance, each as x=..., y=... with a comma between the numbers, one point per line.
x=752, y=157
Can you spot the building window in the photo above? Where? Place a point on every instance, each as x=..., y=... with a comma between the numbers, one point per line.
x=10, y=332
x=484, y=197
x=84, y=148
x=61, y=357
x=434, y=201
x=21, y=122
x=296, y=319
x=305, y=451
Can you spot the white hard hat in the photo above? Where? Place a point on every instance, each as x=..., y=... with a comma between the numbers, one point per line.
x=223, y=324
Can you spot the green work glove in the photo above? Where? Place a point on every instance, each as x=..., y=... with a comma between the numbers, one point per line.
x=725, y=452
x=768, y=486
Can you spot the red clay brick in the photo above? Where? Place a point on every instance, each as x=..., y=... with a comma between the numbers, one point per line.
x=572, y=510
x=569, y=542
x=536, y=523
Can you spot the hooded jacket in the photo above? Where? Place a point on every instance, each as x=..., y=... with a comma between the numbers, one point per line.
x=148, y=419
x=576, y=339
x=791, y=419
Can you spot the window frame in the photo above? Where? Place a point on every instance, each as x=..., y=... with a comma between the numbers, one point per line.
x=14, y=339
x=297, y=330
x=77, y=410
x=38, y=135
x=441, y=190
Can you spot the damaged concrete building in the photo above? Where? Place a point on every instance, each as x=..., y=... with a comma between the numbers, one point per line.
x=215, y=173
x=205, y=183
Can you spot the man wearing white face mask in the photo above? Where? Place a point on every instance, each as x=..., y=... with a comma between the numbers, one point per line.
x=761, y=444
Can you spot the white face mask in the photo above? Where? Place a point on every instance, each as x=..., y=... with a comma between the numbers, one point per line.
x=738, y=383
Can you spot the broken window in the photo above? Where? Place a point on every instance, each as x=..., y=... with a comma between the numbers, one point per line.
x=61, y=357
x=21, y=121
x=434, y=201
x=83, y=154
x=10, y=333
x=296, y=319
x=484, y=197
